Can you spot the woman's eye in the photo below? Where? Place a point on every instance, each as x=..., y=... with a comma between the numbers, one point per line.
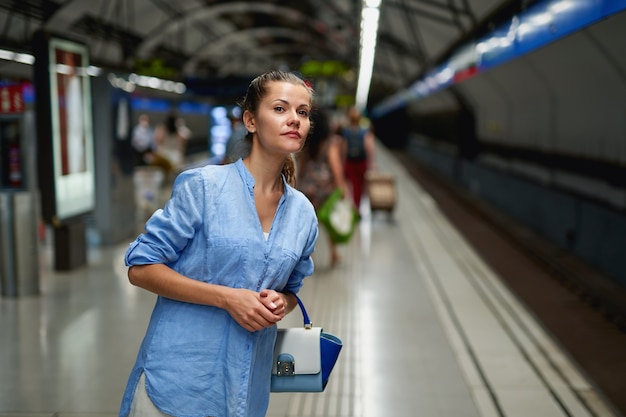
x=279, y=108
x=304, y=113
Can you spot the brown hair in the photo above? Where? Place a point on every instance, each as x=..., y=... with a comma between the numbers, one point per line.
x=255, y=94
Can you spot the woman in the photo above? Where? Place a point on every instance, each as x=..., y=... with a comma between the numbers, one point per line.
x=321, y=170
x=225, y=255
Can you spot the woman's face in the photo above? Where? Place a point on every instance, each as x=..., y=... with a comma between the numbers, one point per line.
x=281, y=123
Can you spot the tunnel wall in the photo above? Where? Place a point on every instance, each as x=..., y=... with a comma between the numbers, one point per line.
x=556, y=115
x=589, y=229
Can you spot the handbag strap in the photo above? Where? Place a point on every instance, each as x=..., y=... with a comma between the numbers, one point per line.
x=307, y=321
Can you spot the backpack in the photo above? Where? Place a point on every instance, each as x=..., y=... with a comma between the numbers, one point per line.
x=355, y=140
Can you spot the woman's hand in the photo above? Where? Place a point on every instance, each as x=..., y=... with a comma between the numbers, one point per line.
x=252, y=310
x=256, y=311
x=275, y=301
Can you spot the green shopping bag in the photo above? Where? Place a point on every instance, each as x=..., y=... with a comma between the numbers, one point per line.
x=339, y=216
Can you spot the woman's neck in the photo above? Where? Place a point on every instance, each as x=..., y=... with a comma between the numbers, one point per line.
x=267, y=175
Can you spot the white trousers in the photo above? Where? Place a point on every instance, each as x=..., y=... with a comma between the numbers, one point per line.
x=141, y=405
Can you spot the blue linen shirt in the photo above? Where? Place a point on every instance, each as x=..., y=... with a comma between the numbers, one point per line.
x=197, y=360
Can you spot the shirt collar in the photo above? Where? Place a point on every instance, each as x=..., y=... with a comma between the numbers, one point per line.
x=249, y=179
x=245, y=175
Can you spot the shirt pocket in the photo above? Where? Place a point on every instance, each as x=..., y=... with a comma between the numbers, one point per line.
x=226, y=261
x=280, y=266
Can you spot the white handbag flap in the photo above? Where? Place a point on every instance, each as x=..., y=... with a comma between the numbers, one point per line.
x=304, y=345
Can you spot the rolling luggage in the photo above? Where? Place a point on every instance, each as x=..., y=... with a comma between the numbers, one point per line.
x=381, y=189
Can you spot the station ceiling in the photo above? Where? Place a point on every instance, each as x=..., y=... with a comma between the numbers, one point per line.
x=229, y=38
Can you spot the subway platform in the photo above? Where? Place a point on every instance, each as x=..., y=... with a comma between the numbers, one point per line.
x=429, y=329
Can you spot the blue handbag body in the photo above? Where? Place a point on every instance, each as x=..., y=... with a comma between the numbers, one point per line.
x=304, y=357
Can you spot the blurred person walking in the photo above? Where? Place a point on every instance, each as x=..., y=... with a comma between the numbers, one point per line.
x=359, y=153
x=235, y=141
x=320, y=167
x=171, y=142
x=142, y=140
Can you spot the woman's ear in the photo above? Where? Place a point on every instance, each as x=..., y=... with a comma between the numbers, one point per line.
x=248, y=121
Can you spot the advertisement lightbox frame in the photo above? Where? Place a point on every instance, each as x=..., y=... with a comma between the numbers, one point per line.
x=64, y=128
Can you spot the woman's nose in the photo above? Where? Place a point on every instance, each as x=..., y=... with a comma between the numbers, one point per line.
x=294, y=119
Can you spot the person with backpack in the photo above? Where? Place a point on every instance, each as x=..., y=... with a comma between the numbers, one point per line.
x=359, y=153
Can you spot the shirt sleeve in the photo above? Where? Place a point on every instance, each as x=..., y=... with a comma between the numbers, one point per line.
x=169, y=229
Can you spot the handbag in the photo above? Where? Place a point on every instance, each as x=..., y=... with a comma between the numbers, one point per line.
x=339, y=216
x=304, y=357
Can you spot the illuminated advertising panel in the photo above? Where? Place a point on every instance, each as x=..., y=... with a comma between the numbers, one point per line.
x=72, y=135
x=65, y=133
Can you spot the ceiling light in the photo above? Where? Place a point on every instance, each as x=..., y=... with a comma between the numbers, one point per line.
x=369, y=31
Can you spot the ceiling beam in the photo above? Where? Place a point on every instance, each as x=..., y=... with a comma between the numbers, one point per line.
x=413, y=9
x=206, y=14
